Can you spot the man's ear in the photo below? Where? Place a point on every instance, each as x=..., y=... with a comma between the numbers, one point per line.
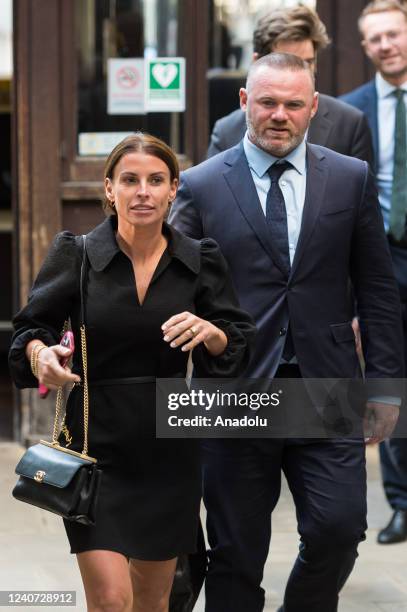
x=243, y=98
x=314, y=108
x=365, y=48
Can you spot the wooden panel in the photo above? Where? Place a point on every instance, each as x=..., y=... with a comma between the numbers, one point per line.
x=45, y=121
x=343, y=66
x=80, y=217
x=21, y=144
x=193, y=44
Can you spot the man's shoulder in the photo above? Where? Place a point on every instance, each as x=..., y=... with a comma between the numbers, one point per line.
x=227, y=132
x=339, y=108
x=235, y=119
x=214, y=164
x=337, y=160
x=358, y=95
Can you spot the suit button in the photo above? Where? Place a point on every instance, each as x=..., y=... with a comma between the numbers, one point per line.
x=283, y=331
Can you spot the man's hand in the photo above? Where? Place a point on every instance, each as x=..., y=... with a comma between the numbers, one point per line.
x=358, y=339
x=379, y=421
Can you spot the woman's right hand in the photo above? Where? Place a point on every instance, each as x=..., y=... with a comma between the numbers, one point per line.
x=50, y=372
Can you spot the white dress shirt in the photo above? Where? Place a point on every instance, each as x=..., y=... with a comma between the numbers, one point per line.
x=386, y=114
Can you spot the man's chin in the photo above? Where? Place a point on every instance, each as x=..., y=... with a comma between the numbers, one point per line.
x=395, y=72
x=277, y=148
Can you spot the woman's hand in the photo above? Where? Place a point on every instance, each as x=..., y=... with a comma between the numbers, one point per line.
x=50, y=372
x=189, y=330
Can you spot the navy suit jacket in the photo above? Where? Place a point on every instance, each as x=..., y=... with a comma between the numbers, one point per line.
x=341, y=237
x=365, y=99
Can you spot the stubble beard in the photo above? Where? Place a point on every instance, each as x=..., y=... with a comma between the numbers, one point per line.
x=276, y=149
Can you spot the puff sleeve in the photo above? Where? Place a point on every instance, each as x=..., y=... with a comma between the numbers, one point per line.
x=49, y=305
x=216, y=302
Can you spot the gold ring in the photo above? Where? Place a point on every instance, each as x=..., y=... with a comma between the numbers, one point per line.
x=193, y=331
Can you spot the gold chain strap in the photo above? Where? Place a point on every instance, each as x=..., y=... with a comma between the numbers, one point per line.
x=60, y=395
x=58, y=406
x=58, y=402
x=85, y=391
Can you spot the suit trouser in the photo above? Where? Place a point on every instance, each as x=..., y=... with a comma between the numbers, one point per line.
x=242, y=480
x=393, y=452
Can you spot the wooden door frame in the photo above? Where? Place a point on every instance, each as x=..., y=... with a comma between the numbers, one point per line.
x=36, y=135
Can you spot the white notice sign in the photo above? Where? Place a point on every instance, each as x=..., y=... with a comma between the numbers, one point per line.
x=125, y=86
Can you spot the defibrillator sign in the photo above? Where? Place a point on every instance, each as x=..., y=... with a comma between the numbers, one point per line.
x=165, y=84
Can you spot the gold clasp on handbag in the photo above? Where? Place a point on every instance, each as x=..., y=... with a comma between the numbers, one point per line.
x=39, y=476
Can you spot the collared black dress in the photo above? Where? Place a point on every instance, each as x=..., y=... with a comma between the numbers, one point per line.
x=151, y=488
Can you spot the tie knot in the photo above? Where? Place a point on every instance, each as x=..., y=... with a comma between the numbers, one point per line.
x=399, y=93
x=277, y=169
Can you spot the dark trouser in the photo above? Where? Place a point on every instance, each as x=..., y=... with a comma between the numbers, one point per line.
x=242, y=480
x=393, y=461
x=393, y=452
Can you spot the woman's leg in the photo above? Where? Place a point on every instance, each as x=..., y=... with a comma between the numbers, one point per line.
x=152, y=582
x=106, y=578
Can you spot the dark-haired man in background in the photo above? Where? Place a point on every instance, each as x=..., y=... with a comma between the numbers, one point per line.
x=336, y=125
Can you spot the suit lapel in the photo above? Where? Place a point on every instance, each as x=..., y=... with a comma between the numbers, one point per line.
x=320, y=126
x=317, y=175
x=370, y=109
x=240, y=182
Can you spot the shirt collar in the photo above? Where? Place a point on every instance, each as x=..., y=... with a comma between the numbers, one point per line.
x=260, y=161
x=101, y=246
x=384, y=88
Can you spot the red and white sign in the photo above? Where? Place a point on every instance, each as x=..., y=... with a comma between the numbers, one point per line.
x=125, y=86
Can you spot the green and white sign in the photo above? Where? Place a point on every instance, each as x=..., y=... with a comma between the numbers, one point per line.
x=165, y=84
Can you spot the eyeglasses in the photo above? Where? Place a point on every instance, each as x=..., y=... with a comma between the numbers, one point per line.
x=391, y=37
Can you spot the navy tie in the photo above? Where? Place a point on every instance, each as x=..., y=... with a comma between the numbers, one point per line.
x=276, y=216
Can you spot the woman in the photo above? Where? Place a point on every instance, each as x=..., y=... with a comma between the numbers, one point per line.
x=152, y=295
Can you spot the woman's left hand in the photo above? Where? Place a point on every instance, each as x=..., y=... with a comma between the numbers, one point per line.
x=189, y=330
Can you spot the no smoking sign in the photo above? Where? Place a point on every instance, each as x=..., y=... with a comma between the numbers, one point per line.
x=125, y=86
x=128, y=77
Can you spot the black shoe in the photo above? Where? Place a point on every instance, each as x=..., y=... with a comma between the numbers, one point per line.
x=396, y=530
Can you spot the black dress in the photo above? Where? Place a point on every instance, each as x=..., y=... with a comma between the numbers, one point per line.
x=151, y=488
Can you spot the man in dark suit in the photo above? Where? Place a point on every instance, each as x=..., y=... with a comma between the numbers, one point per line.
x=383, y=26
x=295, y=222
x=336, y=125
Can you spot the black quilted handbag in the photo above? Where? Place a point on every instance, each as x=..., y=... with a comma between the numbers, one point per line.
x=56, y=478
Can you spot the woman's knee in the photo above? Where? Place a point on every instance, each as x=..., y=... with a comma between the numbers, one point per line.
x=106, y=579
x=151, y=602
x=110, y=599
x=152, y=582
